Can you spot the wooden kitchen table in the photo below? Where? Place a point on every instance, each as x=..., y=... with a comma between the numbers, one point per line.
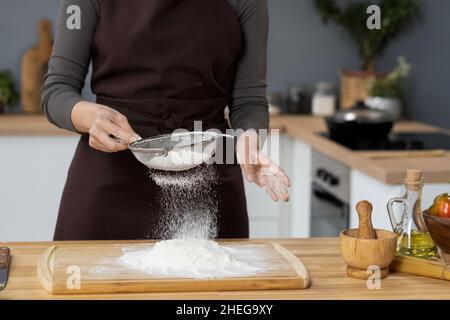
x=319, y=255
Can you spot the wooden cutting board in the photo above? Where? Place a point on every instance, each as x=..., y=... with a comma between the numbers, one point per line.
x=34, y=66
x=100, y=271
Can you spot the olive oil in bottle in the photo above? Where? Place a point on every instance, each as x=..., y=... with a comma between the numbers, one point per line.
x=412, y=236
x=419, y=245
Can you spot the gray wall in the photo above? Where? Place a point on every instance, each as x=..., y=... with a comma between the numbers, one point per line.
x=302, y=49
x=18, y=19
x=427, y=46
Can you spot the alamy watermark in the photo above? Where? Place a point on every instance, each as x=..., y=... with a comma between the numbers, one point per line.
x=228, y=148
x=73, y=21
x=374, y=279
x=374, y=20
x=73, y=281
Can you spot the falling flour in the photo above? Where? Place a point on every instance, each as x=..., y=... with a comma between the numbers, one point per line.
x=189, y=203
x=192, y=258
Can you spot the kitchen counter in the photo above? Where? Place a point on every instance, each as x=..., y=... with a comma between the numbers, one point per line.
x=389, y=171
x=25, y=125
x=319, y=255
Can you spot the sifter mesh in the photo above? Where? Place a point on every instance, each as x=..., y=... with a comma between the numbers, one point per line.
x=176, y=151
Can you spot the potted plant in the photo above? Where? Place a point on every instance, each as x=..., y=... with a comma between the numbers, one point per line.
x=386, y=92
x=396, y=15
x=8, y=94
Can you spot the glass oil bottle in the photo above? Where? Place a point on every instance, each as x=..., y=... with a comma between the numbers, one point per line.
x=412, y=236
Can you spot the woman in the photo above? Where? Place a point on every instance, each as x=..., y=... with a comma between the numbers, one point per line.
x=157, y=66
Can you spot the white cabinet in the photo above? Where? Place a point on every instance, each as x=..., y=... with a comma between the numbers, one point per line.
x=264, y=214
x=364, y=187
x=300, y=203
x=270, y=219
x=33, y=171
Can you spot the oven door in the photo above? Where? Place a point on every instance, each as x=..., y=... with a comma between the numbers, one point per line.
x=329, y=215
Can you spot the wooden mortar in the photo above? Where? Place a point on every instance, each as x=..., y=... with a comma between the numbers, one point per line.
x=366, y=246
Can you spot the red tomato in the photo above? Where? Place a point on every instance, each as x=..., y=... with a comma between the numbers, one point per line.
x=441, y=206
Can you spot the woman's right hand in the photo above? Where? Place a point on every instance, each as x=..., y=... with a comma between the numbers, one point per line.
x=260, y=169
x=102, y=122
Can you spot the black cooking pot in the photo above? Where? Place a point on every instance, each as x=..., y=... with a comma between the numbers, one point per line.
x=360, y=122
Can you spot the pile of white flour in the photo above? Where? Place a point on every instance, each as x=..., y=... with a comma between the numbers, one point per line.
x=192, y=258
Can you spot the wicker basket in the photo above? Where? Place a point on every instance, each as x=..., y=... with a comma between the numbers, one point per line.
x=355, y=86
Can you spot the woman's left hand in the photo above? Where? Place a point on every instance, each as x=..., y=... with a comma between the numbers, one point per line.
x=260, y=169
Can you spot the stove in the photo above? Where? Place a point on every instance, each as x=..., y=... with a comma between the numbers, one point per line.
x=398, y=142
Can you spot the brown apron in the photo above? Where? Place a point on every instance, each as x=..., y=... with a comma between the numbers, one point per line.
x=164, y=64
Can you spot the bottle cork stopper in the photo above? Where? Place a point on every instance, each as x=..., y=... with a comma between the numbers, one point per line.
x=414, y=174
x=414, y=178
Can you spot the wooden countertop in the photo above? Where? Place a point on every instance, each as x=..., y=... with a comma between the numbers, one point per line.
x=390, y=171
x=319, y=255
x=25, y=125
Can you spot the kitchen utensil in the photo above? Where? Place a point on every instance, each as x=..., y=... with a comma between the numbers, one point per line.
x=420, y=267
x=413, y=238
x=365, y=247
x=365, y=229
x=5, y=258
x=439, y=229
x=34, y=66
x=101, y=272
x=360, y=122
x=176, y=151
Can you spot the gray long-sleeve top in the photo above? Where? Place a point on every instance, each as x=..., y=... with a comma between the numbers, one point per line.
x=71, y=58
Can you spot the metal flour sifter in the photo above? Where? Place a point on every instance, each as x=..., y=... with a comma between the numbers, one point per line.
x=176, y=151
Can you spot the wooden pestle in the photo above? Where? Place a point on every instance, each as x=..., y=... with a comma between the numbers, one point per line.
x=365, y=229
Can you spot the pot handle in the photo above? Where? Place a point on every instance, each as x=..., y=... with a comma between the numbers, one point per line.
x=390, y=208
